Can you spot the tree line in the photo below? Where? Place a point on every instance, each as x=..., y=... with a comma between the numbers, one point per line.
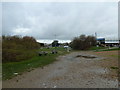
x=17, y=48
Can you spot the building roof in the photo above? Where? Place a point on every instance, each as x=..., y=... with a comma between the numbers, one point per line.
x=112, y=41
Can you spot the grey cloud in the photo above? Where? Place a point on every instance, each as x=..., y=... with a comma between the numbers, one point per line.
x=66, y=20
x=0, y=18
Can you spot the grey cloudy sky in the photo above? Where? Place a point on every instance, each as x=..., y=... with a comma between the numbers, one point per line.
x=65, y=19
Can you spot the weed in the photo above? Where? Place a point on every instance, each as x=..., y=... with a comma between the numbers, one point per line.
x=114, y=67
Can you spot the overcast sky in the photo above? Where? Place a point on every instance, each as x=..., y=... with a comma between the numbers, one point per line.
x=63, y=19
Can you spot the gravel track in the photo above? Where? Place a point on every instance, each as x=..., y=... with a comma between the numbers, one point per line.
x=68, y=71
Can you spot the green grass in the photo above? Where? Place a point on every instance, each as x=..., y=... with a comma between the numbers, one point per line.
x=111, y=49
x=103, y=49
x=114, y=67
x=115, y=56
x=97, y=48
x=52, y=48
x=0, y=71
x=9, y=69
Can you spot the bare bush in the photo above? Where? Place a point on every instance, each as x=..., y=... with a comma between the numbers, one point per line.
x=83, y=42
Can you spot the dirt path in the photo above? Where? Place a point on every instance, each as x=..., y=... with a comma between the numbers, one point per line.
x=74, y=70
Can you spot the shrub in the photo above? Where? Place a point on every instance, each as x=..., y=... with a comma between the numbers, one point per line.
x=16, y=48
x=83, y=42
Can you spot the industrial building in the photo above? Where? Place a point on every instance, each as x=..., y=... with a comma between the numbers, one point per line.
x=108, y=41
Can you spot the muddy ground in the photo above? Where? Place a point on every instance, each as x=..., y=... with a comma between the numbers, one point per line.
x=84, y=69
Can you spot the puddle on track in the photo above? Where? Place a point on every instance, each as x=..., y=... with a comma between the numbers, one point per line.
x=86, y=56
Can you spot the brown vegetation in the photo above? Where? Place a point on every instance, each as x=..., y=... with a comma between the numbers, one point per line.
x=16, y=48
x=83, y=42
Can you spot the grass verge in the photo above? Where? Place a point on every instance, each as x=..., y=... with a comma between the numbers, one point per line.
x=12, y=69
x=103, y=48
x=114, y=67
x=111, y=49
x=97, y=48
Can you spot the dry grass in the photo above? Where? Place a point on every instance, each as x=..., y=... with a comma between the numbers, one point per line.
x=111, y=60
